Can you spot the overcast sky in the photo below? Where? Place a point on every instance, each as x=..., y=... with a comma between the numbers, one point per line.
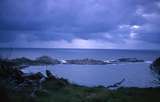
x=107, y=24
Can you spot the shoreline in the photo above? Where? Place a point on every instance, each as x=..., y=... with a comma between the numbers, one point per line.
x=17, y=87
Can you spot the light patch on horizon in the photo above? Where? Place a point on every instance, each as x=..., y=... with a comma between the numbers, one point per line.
x=84, y=44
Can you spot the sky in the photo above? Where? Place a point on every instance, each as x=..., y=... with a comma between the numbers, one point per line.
x=95, y=24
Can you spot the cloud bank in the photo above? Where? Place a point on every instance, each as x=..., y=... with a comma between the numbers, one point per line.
x=114, y=24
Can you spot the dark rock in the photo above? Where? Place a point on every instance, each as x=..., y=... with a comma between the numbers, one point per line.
x=23, y=61
x=129, y=60
x=46, y=60
x=50, y=75
x=31, y=76
x=7, y=68
x=43, y=60
x=18, y=75
x=85, y=61
x=156, y=65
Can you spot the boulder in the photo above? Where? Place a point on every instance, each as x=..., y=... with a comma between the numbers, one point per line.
x=50, y=75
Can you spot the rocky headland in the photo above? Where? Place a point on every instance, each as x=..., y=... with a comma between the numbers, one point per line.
x=156, y=65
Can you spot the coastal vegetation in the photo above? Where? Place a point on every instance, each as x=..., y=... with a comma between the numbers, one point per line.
x=16, y=86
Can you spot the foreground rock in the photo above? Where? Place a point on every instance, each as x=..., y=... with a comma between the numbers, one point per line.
x=50, y=75
x=29, y=83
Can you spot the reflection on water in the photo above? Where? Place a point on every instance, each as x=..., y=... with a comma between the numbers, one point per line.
x=135, y=74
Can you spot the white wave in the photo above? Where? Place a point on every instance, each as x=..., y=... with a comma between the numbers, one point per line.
x=63, y=61
x=148, y=62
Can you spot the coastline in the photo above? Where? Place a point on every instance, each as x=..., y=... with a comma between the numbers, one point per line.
x=18, y=87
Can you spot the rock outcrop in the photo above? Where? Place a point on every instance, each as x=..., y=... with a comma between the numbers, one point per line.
x=86, y=61
x=129, y=60
x=156, y=65
x=43, y=60
x=46, y=60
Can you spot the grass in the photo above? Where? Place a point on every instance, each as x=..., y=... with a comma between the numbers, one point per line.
x=74, y=93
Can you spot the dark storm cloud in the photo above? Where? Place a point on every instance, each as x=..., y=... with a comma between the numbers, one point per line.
x=51, y=20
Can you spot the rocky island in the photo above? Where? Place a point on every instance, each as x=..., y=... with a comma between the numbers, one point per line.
x=43, y=60
x=46, y=60
x=129, y=60
x=86, y=61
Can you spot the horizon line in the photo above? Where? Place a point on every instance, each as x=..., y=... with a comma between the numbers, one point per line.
x=74, y=48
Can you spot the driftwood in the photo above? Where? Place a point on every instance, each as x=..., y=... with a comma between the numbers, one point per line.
x=50, y=75
x=116, y=84
x=33, y=80
x=37, y=85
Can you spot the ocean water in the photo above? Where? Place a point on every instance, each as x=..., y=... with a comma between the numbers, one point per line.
x=102, y=54
x=135, y=74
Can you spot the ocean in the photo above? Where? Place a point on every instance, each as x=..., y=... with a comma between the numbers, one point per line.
x=135, y=74
x=79, y=53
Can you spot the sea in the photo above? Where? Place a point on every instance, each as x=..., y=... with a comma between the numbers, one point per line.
x=133, y=74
